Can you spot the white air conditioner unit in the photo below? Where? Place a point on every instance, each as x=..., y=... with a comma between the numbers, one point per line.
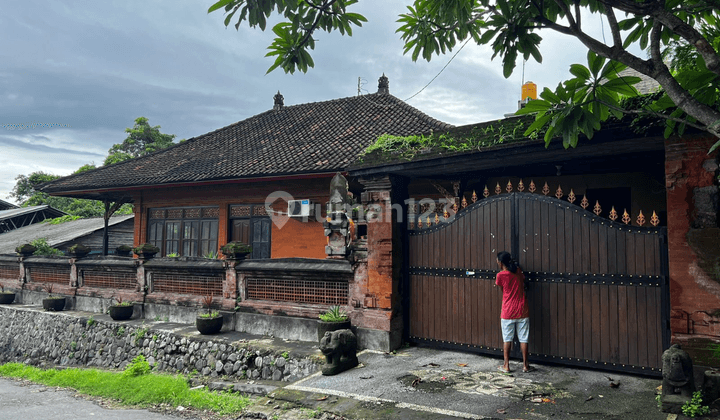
x=300, y=208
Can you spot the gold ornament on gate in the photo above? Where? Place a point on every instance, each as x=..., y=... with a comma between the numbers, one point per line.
x=486, y=192
x=412, y=225
x=497, y=188
x=474, y=197
x=613, y=214
x=625, y=217
x=584, y=203
x=654, y=220
x=429, y=223
x=532, y=186
x=597, y=209
x=546, y=189
x=640, y=219
x=420, y=224
x=521, y=186
x=559, y=192
x=437, y=218
x=446, y=215
x=509, y=187
x=571, y=196
x=464, y=202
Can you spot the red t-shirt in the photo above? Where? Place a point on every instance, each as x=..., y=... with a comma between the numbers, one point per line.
x=514, y=305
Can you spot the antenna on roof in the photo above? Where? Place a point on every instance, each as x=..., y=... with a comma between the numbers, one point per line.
x=358, y=85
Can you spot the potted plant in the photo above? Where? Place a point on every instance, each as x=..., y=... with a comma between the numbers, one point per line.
x=331, y=320
x=236, y=250
x=123, y=250
x=53, y=303
x=210, y=322
x=6, y=297
x=25, y=250
x=122, y=310
x=78, y=250
x=146, y=251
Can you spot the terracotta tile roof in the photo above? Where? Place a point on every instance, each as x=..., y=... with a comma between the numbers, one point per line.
x=301, y=139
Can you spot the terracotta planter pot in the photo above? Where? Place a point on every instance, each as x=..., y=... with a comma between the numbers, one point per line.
x=54, y=304
x=7, y=298
x=121, y=312
x=324, y=327
x=209, y=325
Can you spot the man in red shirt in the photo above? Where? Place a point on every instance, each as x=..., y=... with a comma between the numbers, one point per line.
x=514, y=317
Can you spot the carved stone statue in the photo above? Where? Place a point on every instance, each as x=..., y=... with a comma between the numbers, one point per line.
x=337, y=224
x=340, y=350
x=678, y=380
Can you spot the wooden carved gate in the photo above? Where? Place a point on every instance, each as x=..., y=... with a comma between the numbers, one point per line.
x=597, y=289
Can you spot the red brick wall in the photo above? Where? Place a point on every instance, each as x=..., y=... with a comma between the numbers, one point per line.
x=692, y=298
x=294, y=239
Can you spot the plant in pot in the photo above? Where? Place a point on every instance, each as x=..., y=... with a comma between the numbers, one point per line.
x=210, y=322
x=78, y=251
x=332, y=320
x=26, y=250
x=6, y=297
x=236, y=250
x=146, y=251
x=123, y=251
x=122, y=310
x=53, y=303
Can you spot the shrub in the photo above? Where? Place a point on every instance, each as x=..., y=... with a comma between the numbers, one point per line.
x=334, y=314
x=43, y=248
x=694, y=407
x=138, y=366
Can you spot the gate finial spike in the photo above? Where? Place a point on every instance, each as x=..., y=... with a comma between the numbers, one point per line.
x=597, y=209
x=509, y=187
x=486, y=192
x=584, y=203
x=559, y=192
x=625, y=217
x=437, y=218
x=497, y=188
x=571, y=196
x=446, y=215
x=640, y=219
x=654, y=220
x=521, y=186
x=464, y=202
x=474, y=197
x=546, y=189
x=613, y=214
x=532, y=186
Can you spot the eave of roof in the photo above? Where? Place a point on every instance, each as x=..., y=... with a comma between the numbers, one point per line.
x=8, y=214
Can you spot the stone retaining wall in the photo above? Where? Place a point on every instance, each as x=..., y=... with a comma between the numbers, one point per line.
x=35, y=337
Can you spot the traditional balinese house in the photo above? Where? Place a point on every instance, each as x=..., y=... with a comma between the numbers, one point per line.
x=611, y=234
x=192, y=198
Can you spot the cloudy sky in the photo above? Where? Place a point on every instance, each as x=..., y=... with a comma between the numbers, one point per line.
x=77, y=73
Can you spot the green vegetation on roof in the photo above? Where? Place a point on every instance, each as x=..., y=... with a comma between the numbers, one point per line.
x=388, y=147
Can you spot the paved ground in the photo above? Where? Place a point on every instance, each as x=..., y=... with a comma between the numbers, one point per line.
x=425, y=383
x=26, y=401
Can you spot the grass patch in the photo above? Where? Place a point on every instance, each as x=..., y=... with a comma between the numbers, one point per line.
x=142, y=390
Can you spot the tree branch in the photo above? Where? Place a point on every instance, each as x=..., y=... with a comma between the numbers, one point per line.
x=614, y=27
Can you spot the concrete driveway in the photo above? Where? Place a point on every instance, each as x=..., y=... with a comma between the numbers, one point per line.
x=454, y=384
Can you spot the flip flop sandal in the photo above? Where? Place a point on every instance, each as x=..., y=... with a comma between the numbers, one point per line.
x=529, y=369
x=503, y=370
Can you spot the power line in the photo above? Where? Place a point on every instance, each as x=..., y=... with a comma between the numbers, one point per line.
x=441, y=70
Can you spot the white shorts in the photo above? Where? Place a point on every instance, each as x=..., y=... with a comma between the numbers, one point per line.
x=510, y=326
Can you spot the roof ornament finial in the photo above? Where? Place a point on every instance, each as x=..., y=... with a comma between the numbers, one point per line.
x=383, y=84
x=278, y=102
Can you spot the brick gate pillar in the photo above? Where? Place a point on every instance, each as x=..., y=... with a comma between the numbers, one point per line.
x=693, y=245
x=378, y=278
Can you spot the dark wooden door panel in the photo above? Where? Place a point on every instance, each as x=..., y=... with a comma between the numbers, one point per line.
x=595, y=287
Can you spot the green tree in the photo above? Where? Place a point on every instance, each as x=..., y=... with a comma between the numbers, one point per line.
x=26, y=194
x=512, y=28
x=142, y=139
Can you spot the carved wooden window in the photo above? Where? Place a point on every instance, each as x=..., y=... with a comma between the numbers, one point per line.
x=186, y=231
